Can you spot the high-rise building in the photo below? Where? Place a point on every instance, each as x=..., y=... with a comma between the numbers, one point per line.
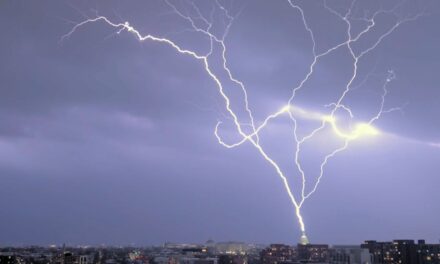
x=428, y=253
x=403, y=252
x=379, y=250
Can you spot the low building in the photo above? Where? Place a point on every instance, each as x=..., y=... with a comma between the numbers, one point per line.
x=314, y=253
x=350, y=255
x=278, y=253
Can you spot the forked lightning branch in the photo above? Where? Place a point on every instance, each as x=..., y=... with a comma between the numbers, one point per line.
x=290, y=109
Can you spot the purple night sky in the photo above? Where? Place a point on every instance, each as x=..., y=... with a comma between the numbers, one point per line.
x=104, y=139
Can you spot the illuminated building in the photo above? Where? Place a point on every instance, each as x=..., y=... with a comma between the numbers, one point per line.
x=278, y=253
x=231, y=248
x=304, y=240
x=403, y=252
x=377, y=249
x=313, y=253
x=428, y=253
x=8, y=258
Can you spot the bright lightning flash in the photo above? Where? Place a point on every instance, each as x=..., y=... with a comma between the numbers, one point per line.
x=360, y=130
x=203, y=24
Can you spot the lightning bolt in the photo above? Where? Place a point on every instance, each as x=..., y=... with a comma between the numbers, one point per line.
x=200, y=23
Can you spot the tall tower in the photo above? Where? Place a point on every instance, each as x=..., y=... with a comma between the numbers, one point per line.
x=304, y=240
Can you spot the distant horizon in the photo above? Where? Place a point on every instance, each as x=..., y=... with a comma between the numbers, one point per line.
x=203, y=243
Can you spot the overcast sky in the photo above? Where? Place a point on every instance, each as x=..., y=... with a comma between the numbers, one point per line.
x=104, y=139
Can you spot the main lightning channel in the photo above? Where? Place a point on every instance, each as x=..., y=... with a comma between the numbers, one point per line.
x=359, y=130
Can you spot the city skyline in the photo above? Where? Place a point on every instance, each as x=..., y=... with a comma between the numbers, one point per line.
x=107, y=139
x=369, y=252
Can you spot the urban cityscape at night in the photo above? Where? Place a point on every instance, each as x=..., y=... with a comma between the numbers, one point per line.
x=371, y=251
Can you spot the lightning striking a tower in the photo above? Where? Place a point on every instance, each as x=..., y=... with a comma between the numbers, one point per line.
x=247, y=127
